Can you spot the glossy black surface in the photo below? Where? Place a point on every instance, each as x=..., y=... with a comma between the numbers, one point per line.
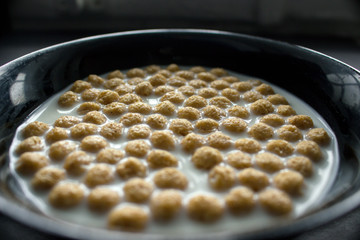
x=330, y=87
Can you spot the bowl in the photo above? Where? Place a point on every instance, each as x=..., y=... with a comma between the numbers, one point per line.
x=329, y=86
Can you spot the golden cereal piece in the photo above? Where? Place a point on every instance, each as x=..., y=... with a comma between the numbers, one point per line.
x=187, y=90
x=280, y=147
x=301, y=121
x=166, y=205
x=219, y=72
x=289, y=133
x=254, y=82
x=137, y=190
x=192, y=141
x=254, y=179
x=163, y=139
x=30, y=144
x=273, y=120
x=95, y=80
x=239, y=111
x=234, y=124
x=261, y=107
x=107, y=96
x=90, y=94
x=261, y=131
x=88, y=107
x=310, y=149
x=76, y=161
x=181, y=126
x=68, y=99
x=195, y=101
x=113, y=83
x=35, y=128
x=93, y=143
x=66, y=121
x=275, y=202
x=207, y=92
x=239, y=160
x=135, y=72
x=207, y=125
x=301, y=164
x=48, y=177
x=219, y=140
x=130, y=119
x=240, y=200
x=30, y=162
x=170, y=178
x=198, y=69
x=269, y=162
x=163, y=89
x=140, y=107
x=197, y=83
x=132, y=167
x=66, y=195
x=174, y=97
x=101, y=199
x=289, y=181
x=165, y=108
x=318, y=135
x=252, y=96
x=59, y=150
x=137, y=148
x=173, y=67
x=144, y=89
x=111, y=130
x=189, y=113
x=188, y=75
x=115, y=74
x=128, y=218
x=99, y=174
x=213, y=112
x=221, y=102
x=206, y=157
x=247, y=145
x=157, y=121
x=139, y=131
x=114, y=109
x=130, y=98
x=151, y=69
x=157, y=80
x=79, y=86
x=241, y=86
x=285, y=110
x=124, y=89
x=94, y=117
x=109, y=155
x=230, y=79
x=161, y=159
x=204, y=208
x=206, y=76
x=56, y=134
x=82, y=130
x=166, y=73
x=219, y=84
x=265, y=89
x=277, y=99
x=221, y=177
x=135, y=81
x=177, y=81
x=231, y=94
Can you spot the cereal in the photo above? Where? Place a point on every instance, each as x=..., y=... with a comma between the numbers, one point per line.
x=132, y=167
x=269, y=162
x=101, y=199
x=173, y=67
x=174, y=97
x=310, y=149
x=30, y=144
x=181, y=127
x=82, y=130
x=252, y=96
x=129, y=98
x=56, y=134
x=163, y=139
x=170, y=178
x=165, y=108
x=156, y=121
x=187, y=90
x=30, y=162
x=289, y=133
x=261, y=107
x=253, y=179
x=115, y=74
x=47, y=177
x=238, y=111
x=177, y=81
x=207, y=125
x=68, y=99
x=166, y=205
x=59, y=150
x=204, y=208
x=219, y=72
x=135, y=81
x=247, y=145
x=151, y=69
x=254, y=82
x=129, y=218
x=234, y=124
x=197, y=69
x=95, y=80
x=94, y=117
x=289, y=181
x=90, y=94
x=135, y=72
x=277, y=99
x=157, y=80
x=230, y=79
x=66, y=195
x=273, y=120
x=113, y=83
x=213, y=112
x=206, y=157
x=242, y=86
x=206, y=76
x=189, y=113
x=219, y=84
x=130, y=119
x=163, y=89
x=124, y=89
x=137, y=190
x=219, y=140
x=144, y=89
x=301, y=164
x=285, y=110
x=75, y=162
x=280, y=147
x=109, y=155
x=166, y=73
x=265, y=89
x=231, y=94
x=239, y=160
x=318, y=135
x=188, y=75
x=275, y=201
x=137, y=148
x=79, y=86
x=240, y=200
x=197, y=83
x=301, y=121
x=161, y=159
x=66, y=121
x=99, y=174
x=261, y=131
x=192, y=141
x=195, y=101
x=221, y=177
x=114, y=109
x=207, y=92
x=86, y=107
x=139, y=131
x=107, y=96
x=35, y=128
x=221, y=102
x=111, y=130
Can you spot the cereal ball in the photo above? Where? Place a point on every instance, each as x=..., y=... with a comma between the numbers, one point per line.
x=61, y=149
x=219, y=140
x=94, y=117
x=221, y=177
x=132, y=167
x=207, y=92
x=170, y=178
x=261, y=107
x=115, y=74
x=301, y=164
x=137, y=148
x=114, y=109
x=48, y=177
x=99, y=174
x=206, y=76
x=102, y=199
x=238, y=111
x=35, y=129
x=107, y=96
x=197, y=83
x=173, y=67
x=165, y=108
x=187, y=90
x=285, y=110
x=195, y=101
x=124, y=89
x=273, y=120
x=207, y=125
x=109, y=155
x=252, y=96
x=219, y=72
x=66, y=195
x=310, y=149
x=135, y=72
x=221, y=102
x=231, y=94
x=88, y=107
x=181, y=127
x=129, y=218
x=113, y=83
x=277, y=99
x=318, y=135
x=90, y=94
x=177, y=81
x=166, y=205
x=289, y=133
x=166, y=73
x=198, y=69
x=56, y=134
x=163, y=89
x=280, y=147
x=130, y=98
x=241, y=86
x=289, y=181
x=188, y=75
x=151, y=69
x=135, y=81
x=213, y=112
x=301, y=121
x=275, y=201
x=130, y=119
x=139, y=131
x=157, y=80
x=230, y=79
x=219, y=84
x=192, y=141
x=66, y=121
x=82, y=130
x=265, y=89
x=248, y=145
x=163, y=139
x=234, y=124
x=30, y=144
x=137, y=190
x=269, y=162
x=206, y=157
x=161, y=159
x=68, y=99
x=156, y=121
x=189, y=113
x=239, y=160
x=79, y=86
x=253, y=179
x=254, y=82
x=76, y=161
x=240, y=200
x=174, y=97
x=30, y=162
x=95, y=80
x=261, y=131
x=111, y=130
x=144, y=89
x=204, y=208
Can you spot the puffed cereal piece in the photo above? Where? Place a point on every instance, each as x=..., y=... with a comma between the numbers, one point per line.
x=35, y=128
x=231, y=94
x=221, y=177
x=174, y=97
x=247, y=145
x=261, y=107
x=30, y=162
x=192, y=141
x=255, y=82
x=204, y=208
x=157, y=80
x=144, y=89
x=137, y=190
x=130, y=119
x=56, y=134
x=166, y=205
x=163, y=139
x=285, y=110
x=130, y=98
x=82, y=130
x=79, y=86
x=132, y=167
x=310, y=149
x=261, y=131
x=109, y=155
x=157, y=121
x=173, y=67
x=301, y=164
x=240, y=200
x=207, y=92
x=101, y=199
x=30, y=144
x=189, y=113
x=277, y=99
x=165, y=108
x=206, y=157
x=111, y=130
x=124, y=89
x=94, y=117
x=219, y=84
x=254, y=179
x=238, y=111
x=239, y=160
x=221, y=102
x=181, y=126
x=88, y=107
x=115, y=74
x=213, y=112
x=160, y=159
x=135, y=72
x=59, y=150
x=113, y=83
x=137, y=148
x=219, y=72
x=68, y=99
x=140, y=107
x=207, y=125
x=241, y=86
x=95, y=80
x=90, y=94
x=99, y=174
x=151, y=69
x=265, y=89
x=273, y=120
x=269, y=162
x=114, y=109
x=66, y=121
x=197, y=83
x=66, y=195
x=163, y=89
x=107, y=96
x=188, y=75
x=187, y=90
x=166, y=73
x=230, y=79
x=280, y=147
x=135, y=81
x=170, y=178
x=206, y=76
x=318, y=135
x=275, y=201
x=139, y=131
x=289, y=181
x=198, y=69
x=252, y=96
x=234, y=124
x=289, y=133
x=76, y=161
x=47, y=177
x=195, y=101
x=177, y=81
x=301, y=121
x=128, y=218
x=219, y=140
